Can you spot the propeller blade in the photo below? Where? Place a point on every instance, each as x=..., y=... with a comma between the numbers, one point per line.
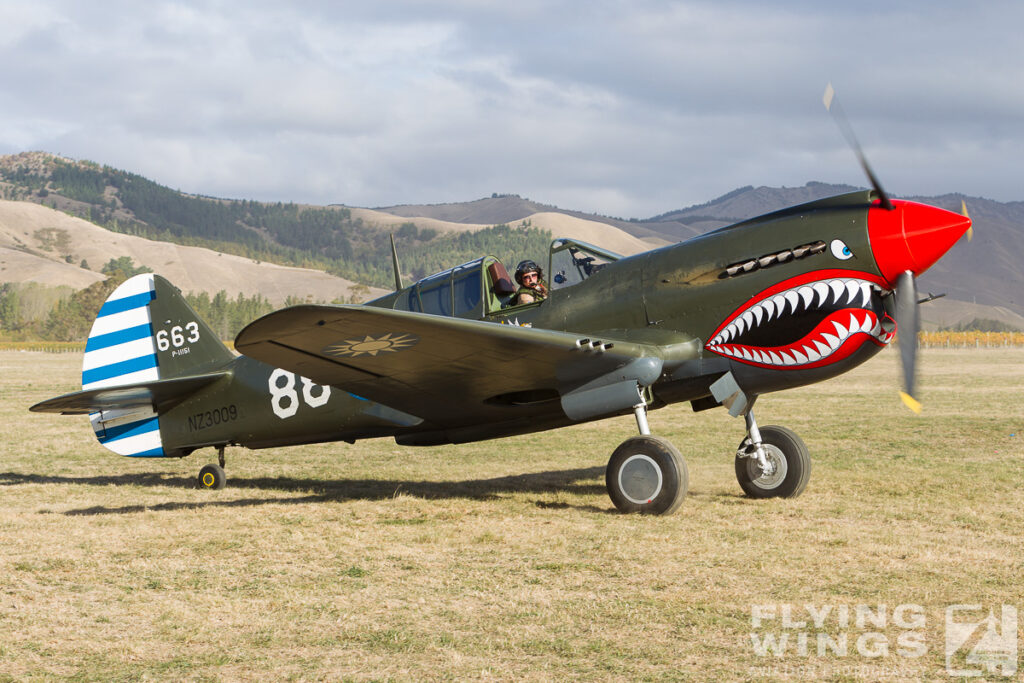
x=907, y=324
x=833, y=106
x=963, y=210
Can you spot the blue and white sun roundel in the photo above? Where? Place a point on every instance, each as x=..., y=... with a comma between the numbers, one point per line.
x=121, y=351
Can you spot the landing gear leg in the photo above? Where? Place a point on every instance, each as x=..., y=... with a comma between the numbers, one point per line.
x=640, y=411
x=754, y=445
x=212, y=476
x=646, y=474
x=772, y=462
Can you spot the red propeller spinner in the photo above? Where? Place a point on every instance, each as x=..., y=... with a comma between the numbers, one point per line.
x=912, y=236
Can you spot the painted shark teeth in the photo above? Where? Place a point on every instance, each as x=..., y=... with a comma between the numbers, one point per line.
x=838, y=326
x=836, y=292
x=818, y=346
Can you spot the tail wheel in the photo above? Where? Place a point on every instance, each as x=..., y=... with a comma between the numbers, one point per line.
x=212, y=477
x=647, y=474
x=791, y=466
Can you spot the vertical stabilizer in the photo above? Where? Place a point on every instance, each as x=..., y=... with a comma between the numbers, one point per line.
x=145, y=331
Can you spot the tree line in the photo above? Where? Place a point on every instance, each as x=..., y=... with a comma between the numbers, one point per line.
x=30, y=312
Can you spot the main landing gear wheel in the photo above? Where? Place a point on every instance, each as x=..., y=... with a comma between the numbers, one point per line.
x=647, y=474
x=790, y=465
x=212, y=477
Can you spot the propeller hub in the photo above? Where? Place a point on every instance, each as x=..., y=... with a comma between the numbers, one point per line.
x=912, y=236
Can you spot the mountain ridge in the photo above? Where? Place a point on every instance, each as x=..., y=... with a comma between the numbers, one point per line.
x=987, y=273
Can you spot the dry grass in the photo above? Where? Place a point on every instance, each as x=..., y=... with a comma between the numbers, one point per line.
x=504, y=559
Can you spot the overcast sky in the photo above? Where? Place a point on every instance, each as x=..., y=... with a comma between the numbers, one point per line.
x=628, y=108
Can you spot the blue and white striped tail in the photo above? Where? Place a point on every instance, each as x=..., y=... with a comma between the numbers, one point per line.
x=121, y=351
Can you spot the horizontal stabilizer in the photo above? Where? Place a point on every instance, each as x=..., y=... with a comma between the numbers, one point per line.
x=160, y=394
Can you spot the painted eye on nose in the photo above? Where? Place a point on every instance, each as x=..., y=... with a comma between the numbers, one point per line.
x=840, y=250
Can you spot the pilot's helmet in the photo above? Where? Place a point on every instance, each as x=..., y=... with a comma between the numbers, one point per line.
x=525, y=267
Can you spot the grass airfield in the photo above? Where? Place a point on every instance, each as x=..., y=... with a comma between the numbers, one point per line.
x=505, y=559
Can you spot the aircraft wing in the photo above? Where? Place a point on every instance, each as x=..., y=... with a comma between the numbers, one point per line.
x=445, y=370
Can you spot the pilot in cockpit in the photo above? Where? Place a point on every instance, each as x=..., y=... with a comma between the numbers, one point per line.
x=530, y=279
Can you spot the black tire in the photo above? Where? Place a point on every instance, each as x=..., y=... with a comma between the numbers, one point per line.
x=212, y=477
x=647, y=474
x=792, y=461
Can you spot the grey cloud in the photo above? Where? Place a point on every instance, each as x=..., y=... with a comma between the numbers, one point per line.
x=623, y=108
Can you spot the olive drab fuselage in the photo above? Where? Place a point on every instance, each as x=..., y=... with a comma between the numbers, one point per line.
x=674, y=298
x=782, y=300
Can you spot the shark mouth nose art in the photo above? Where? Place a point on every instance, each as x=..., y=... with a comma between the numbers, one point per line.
x=807, y=322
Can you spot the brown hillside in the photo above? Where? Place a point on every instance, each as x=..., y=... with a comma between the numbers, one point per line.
x=558, y=224
x=38, y=244
x=388, y=221
x=594, y=232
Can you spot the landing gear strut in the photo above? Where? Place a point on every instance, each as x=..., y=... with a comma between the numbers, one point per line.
x=212, y=476
x=772, y=462
x=646, y=474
